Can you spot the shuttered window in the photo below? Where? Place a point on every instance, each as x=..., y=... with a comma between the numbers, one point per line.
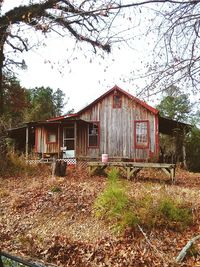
x=93, y=134
x=141, y=134
x=117, y=101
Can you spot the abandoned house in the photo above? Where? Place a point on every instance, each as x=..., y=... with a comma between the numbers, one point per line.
x=116, y=123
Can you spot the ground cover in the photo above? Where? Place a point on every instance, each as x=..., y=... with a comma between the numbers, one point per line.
x=53, y=219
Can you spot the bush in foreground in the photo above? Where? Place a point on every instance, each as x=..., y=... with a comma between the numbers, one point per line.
x=15, y=165
x=115, y=206
x=113, y=203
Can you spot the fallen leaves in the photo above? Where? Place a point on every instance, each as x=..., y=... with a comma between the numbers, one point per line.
x=59, y=226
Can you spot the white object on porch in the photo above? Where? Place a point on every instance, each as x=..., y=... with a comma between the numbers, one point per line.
x=68, y=154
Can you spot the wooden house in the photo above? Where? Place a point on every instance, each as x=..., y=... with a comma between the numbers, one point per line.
x=117, y=124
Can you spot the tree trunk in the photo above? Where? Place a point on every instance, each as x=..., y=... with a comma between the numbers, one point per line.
x=59, y=168
x=2, y=43
x=184, y=150
x=1, y=81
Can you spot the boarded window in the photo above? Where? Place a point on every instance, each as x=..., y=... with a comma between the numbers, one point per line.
x=93, y=134
x=142, y=134
x=51, y=136
x=117, y=101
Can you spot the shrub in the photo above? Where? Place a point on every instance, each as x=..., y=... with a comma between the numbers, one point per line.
x=161, y=210
x=113, y=203
x=145, y=208
x=14, y=165
x=113, y=200
x=174, y=215
x=128, y=219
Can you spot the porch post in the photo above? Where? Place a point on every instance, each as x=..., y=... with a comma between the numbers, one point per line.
x=184, y=149
x=27, y=139
x=59, y=141
x=75, y=137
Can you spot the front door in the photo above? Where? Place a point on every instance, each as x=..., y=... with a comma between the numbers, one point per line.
x=69, y=142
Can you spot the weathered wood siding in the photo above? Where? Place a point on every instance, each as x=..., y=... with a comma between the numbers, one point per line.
x=82, y=140
x=39, y=140
x=117, y=129
x=41, y=144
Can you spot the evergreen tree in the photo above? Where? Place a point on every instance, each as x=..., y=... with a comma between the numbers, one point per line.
x=45, y=103
x=16, y=101
x=58, y=99
x=24, y=105
x=174, y=105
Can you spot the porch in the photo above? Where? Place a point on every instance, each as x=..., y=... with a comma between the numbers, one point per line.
x=42, y=141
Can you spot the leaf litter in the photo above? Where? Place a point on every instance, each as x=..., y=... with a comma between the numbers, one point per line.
x=59, y=226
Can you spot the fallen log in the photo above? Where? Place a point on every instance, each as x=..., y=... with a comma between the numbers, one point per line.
x=185, y=249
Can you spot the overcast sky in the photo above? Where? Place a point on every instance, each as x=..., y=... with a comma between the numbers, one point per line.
x=82, y=75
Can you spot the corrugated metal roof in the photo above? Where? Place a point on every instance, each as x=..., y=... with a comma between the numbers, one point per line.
x=168, y=126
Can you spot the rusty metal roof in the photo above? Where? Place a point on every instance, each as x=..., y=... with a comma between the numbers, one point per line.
x=168, y=126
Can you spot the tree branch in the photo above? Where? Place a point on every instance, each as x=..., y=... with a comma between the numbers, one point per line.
x=185, y=249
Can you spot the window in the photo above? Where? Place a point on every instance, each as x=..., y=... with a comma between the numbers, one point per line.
x=141, y=134
x=93, y=134
x=117, y=100
x=51, y=136
x=68, y=138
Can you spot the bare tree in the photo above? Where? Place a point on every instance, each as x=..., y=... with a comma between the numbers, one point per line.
x=84, y=20
x=92, y=22
x=176, y=55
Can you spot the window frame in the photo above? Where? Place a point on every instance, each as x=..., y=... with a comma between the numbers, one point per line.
x=68, y=138
x=98, y=136
x=140, y=145
x=49, y=132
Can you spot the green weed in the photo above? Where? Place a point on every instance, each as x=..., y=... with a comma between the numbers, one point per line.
x=56, y=189
x=174, y=214
x=113, y=200
x=161, y=210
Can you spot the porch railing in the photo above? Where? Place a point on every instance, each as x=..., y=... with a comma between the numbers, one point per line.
x=70, y=161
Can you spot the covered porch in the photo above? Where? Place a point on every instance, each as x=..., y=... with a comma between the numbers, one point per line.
x=172, y=135
x=51, y=139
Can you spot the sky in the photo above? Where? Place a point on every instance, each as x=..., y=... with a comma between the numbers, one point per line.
x=82, y=75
